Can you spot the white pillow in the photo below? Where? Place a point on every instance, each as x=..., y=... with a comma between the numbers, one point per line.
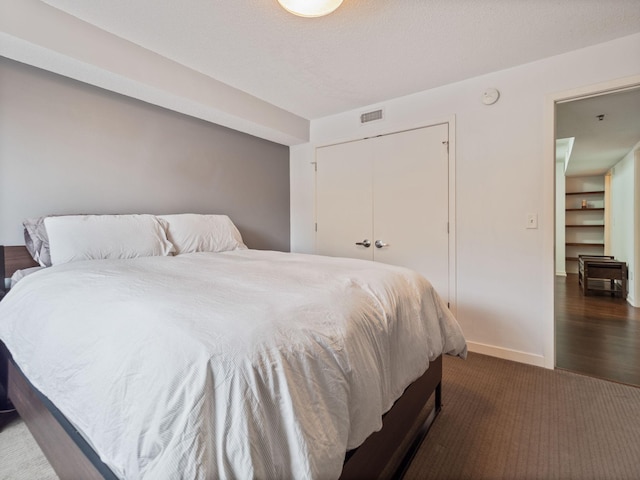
x=36, y=240
x=190, y=232
x=92, y=237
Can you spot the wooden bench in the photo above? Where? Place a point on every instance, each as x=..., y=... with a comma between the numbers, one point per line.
x=602, y=274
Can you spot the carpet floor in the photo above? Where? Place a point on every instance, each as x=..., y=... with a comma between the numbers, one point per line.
x=500, y=420
x=506, y=420
x=20, y=456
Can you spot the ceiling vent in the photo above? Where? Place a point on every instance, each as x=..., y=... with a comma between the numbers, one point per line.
x=372, y=116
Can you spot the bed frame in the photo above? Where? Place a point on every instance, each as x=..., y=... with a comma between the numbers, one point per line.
x=72, y=457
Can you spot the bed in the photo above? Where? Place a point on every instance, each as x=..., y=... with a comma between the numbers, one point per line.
x=226, y=364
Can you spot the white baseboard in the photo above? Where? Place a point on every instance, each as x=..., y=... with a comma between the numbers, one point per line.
x=506, y=354
x=561, y=274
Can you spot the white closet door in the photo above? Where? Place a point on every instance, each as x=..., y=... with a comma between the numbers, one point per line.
x=344, y=213
x=410, y=202
x=393, y=188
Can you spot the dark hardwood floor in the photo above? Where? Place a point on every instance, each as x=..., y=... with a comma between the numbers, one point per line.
x=596, y=335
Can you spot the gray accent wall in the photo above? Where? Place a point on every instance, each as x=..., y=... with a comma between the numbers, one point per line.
x=68, y=147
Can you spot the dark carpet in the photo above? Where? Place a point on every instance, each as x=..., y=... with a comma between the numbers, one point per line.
x=507, y=420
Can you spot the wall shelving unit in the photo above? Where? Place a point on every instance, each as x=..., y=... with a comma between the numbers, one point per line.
x=584, y=222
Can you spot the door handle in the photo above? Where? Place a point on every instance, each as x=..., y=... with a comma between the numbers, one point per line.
x=365, y=243
x=380, y=244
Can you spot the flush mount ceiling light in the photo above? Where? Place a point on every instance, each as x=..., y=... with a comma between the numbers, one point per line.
x=310, y=8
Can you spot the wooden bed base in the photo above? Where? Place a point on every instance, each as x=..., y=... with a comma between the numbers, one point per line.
x=15, y=258
x=68, y=453
x=72, y=457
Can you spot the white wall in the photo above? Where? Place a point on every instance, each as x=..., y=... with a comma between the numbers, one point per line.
x=303, y=212
x=636, y=264
x=607, y=213
x=504, y=272
x=625, y=211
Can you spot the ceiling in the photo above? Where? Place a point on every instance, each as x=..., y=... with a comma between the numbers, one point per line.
x=366, y=52
x=598, y=144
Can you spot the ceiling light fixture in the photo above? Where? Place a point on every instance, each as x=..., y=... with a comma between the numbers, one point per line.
x=310, y=8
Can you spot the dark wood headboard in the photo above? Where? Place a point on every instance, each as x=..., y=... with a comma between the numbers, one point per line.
x=14, y=258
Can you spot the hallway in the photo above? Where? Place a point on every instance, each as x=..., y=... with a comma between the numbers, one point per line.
x=596, y=335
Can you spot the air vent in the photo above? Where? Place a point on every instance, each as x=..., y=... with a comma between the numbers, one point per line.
x=371, y=116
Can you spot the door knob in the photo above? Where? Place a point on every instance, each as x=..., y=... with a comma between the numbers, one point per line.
x=380, y=244
x=365, y=243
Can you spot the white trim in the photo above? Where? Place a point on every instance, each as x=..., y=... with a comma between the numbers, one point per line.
x=507, y=354
x=548, y=217
x=453, y=290
x=549, y=225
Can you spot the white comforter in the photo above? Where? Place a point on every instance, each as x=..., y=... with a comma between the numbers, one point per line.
x=245, y=364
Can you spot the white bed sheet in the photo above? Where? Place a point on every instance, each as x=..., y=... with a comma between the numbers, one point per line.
x=243, y=364
x=20, y=274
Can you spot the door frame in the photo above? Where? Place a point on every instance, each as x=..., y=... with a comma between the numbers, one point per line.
x=451, y=123
x=549, y=197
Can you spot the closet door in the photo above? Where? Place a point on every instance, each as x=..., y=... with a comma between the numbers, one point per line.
x=344, y=189
x=392, y=189
x=410, y=202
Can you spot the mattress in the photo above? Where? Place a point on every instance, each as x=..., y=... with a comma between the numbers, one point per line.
x=242, y=364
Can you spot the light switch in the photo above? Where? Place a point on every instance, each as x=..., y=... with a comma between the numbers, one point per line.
x=532, y=220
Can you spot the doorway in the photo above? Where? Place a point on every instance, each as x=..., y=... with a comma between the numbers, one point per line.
x=597, y=135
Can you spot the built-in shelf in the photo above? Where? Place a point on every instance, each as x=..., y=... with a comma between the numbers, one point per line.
x=584, y=222
x=585, y=209
x=595, y=192
x=583, y=244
